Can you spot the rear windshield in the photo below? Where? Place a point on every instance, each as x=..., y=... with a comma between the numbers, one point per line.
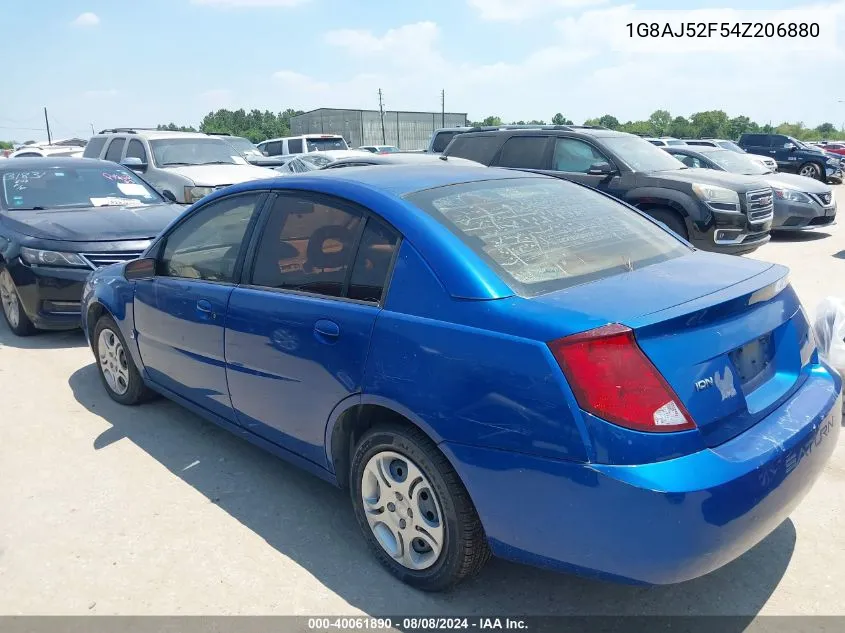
x=323, y=144
x=542, y=235
x=74, y=186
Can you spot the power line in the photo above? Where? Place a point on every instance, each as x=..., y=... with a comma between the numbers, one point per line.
x=30, y=129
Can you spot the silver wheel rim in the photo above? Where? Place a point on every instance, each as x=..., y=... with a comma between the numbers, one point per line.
x=113, y=362
x=808, y=170
x=9, y=298
x=402, y=510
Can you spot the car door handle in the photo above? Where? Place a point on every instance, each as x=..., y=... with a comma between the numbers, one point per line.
x=326, y=330
x=204, y=308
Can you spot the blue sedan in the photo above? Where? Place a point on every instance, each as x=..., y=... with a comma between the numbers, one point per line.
x=491, y=361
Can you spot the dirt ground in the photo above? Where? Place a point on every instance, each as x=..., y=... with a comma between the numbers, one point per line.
x=150, y=510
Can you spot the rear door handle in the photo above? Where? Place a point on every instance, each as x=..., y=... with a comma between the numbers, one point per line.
x=326, y=329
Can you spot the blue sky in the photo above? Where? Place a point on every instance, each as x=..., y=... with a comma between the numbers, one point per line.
x=111, y=63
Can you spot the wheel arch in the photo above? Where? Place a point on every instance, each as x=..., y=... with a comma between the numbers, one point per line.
x=354, y=416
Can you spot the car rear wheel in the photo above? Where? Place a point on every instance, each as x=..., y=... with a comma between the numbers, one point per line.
x=414, y=511
x=810, y=170
x=13, y=311
x=671, y=219
x=117, y=370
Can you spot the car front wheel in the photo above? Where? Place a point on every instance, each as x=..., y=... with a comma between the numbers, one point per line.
x=13, y=311
x=810, y=170
x=117, y=370
x=414, y=511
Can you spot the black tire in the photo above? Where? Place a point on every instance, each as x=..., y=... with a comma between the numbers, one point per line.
x=464, y=548
x=671, y=219
x=136, y=391
x=812, y=170
x=19, y=325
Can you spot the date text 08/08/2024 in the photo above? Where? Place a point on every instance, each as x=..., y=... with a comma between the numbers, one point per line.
x=723, y=29
x=420, y=623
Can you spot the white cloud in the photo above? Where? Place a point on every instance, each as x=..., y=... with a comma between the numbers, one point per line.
x=86, y=19
x=519, y=10
x=243, y=4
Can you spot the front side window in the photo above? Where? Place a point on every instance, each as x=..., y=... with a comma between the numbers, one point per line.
x=542, y=234
x=115, y=149
x=135, y=149
x=180, y=152
x=575, y=156
x=76, y=186
x=207, y=244
x=306, y=246
x=272, y=148
x=295, y=146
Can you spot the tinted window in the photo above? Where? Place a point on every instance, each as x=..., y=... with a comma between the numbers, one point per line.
x=295, y=146
x=307, y=246
x=115, y=149
x=27, y=155
x=640, y=155
x=94, y=147
x=274, y=148
x=478, y=148
x=136, y=150
x=689, y=161
x=441, y=140
x=77, y=186
x=526, y=152
x=545, y=234
x=372, y=265
x=575, y=156
x=755, y=140
x=324, y=144
x=780, y=140
x=206, y=245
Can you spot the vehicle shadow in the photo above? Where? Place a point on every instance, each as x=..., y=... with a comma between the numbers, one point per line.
x=312, y=523
x=41, y=340
x=798, y=236
x=839, y=255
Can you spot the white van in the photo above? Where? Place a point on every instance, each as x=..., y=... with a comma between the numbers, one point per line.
x=302, y=144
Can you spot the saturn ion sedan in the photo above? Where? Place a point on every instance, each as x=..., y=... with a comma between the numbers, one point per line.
x=491, y=361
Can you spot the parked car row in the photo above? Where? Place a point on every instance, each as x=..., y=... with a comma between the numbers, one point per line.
x=456, y=339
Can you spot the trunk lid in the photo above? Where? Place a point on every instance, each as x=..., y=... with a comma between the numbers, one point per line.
x=727, y=333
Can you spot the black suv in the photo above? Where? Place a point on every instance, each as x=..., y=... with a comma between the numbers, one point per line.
x=716, y=211
x=794, y=156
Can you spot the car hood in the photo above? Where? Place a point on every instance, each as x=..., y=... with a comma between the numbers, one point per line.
x=793, y=181
x=94, y=224
x=736, y=182
x=216, y=175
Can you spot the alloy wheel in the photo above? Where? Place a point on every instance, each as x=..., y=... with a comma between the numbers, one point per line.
x=9, y=298
x=809, y=171
x=402, y=510
x=113, y=363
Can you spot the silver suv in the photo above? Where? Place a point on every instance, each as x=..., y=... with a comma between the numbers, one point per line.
x=183, y=166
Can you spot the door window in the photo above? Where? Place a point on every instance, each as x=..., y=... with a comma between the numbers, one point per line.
x=136, y=149
x=576, y=156
x=273, y=148
x=206, y=245
x=525, y=152
x=689, y=161
x=295, y=146
x=115, y=149
x=372, y=264
x=307, y=245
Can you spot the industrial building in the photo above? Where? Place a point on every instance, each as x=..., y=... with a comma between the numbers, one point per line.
x=405, y=130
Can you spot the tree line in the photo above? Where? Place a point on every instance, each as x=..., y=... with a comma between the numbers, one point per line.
x=707, y=124
x=255, y=125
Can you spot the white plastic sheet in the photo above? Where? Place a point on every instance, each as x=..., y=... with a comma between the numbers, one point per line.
x=829, y=330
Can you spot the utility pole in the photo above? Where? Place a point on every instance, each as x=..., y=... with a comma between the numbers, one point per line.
x=93, y=133
x=381, y=112
x=442, y=108
x=47, y=121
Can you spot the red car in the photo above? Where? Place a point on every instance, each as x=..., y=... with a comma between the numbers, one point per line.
x=834, y=148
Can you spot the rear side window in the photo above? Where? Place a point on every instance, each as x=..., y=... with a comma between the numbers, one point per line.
x=273, y=148
x=756, y=140
x=372, y=264
x=481, y=149
x=115, y=149
x=94, y=147
x=542, y=235
x=525, y=152
x=295, y=146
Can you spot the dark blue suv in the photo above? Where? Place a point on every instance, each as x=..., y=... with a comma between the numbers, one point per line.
x=794, y=156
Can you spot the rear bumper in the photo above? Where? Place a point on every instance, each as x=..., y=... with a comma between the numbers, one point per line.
x=658, y=523
x=51, y=297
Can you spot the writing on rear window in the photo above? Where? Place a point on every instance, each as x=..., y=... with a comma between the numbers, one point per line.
x=537, y=231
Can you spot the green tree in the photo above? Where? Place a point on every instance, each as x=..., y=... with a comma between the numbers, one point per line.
x=642, y=128
x=738, y=126
x=680, y=128
x=609, y=121
x=6, y=145
x=826, y=130
x=539, y=122
x=710, y=123
x=492, y=120
x=559, y=119
x=172, y=127
x=660, y=120
x=792, y=129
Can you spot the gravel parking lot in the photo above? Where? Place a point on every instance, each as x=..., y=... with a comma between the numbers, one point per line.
x=151, y=510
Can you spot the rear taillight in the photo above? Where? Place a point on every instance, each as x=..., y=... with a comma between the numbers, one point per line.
x=613, y=379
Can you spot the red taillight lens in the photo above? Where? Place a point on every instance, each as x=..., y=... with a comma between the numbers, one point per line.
x=613, y=379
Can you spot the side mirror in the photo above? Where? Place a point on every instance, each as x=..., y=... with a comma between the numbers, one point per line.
x=600, y=169
x=140, y=269
x=168, y=195
x=790, y=146
x=135, y=164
